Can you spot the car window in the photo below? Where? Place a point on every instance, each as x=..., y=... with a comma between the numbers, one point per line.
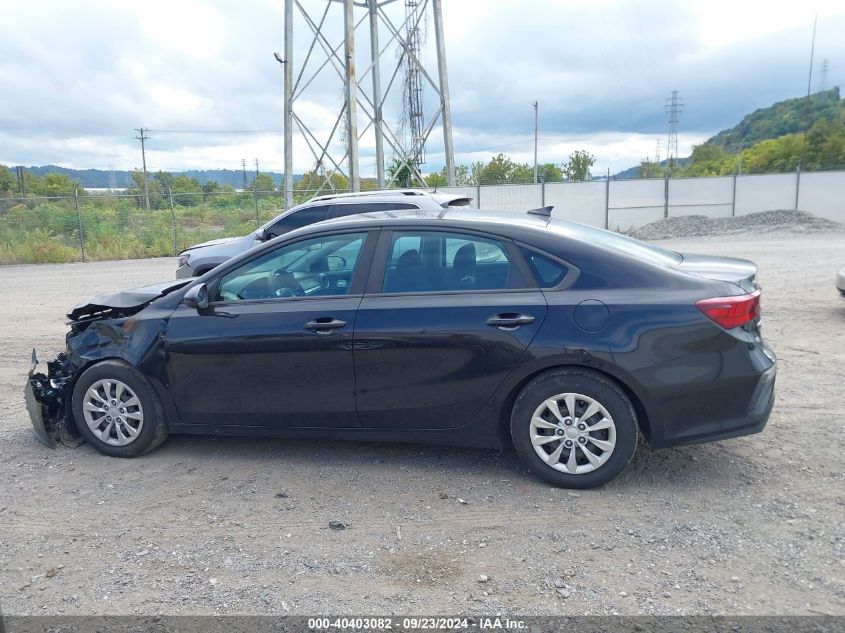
x=320, y=266
x=342, y=210
x=548, y=272
x=431, y=261
x=297, y=219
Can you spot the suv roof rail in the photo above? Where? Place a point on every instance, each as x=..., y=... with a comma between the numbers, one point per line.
x=377, y=192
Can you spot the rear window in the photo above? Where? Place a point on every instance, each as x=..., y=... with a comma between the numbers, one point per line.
x=617, y=242
x=548, y=272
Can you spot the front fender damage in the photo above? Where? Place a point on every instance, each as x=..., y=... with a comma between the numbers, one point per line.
x=48, y=402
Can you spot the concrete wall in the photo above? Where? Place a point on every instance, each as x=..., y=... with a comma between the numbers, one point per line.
x=630, y=203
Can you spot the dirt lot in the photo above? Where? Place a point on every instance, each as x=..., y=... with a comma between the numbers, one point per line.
x=207, y=525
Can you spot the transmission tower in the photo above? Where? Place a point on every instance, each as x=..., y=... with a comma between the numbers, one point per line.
x=395, y=40
x=413, y=84
x=657, y=152
x=673, y=107
x=823, y=79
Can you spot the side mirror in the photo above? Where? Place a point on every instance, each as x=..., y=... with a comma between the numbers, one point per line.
x=196, y=297
x=261, y=236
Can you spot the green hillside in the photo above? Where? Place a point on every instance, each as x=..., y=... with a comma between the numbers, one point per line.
x=784, y=117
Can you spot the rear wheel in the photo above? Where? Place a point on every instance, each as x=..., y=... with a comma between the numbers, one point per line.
x=117, y=411
x=574, y=428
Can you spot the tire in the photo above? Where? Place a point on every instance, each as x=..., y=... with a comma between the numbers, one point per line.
x=110, y=430
x=609, y=432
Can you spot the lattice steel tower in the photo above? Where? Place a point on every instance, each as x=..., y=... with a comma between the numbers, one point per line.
x=413, y=84
x=393, y=41
x=673, y=107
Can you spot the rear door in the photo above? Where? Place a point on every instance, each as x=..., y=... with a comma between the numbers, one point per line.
x=447, y=315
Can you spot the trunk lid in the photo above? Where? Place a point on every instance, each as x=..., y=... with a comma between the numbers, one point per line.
x=741, y=272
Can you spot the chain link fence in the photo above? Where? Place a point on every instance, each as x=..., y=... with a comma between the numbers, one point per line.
x=105, y=226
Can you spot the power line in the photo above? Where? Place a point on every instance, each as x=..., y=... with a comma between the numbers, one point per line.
x=266, y=131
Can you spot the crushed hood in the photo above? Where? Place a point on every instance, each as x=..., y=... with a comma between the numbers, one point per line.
x=124, y=300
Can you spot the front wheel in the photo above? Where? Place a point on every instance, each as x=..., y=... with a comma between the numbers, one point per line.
x=117, y=411
x=574, y=428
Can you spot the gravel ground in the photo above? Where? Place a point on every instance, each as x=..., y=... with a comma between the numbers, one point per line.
x=765, y=222
x=231, y=525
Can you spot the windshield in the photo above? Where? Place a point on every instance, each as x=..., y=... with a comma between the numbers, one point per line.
x=617, y=242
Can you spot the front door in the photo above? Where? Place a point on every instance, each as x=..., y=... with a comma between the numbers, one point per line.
x=449, y=321
x=274, y=348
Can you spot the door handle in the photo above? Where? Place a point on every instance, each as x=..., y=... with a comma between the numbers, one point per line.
x=509, y=321
x=324, y=325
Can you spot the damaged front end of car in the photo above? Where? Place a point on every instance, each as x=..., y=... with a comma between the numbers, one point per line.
x=48, y=399
x=100, y=328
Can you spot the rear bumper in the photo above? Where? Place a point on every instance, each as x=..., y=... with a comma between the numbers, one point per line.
x=734, y=397
x=755, y=420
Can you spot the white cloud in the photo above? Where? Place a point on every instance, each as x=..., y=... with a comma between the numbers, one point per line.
x=78, y=77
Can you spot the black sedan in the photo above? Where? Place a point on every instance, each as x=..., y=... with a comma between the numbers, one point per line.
x=472, y=328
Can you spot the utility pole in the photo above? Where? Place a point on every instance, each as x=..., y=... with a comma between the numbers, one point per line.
x=142, y=136
x=535, y=141
x=807, y=108
x=243, y=169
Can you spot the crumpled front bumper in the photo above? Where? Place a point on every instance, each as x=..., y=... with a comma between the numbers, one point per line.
x=47, y=401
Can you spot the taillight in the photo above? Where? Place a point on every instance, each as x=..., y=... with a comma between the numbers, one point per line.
x=731, y=312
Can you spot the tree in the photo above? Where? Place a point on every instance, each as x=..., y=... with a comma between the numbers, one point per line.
x=501, y=169
x=706, y=160
x=263, y=185
x=164, y=180
x=549, y=172
x=56, y=185
x=400, y=173
x=577, y=168
x=7, y=180
x=186, y=191
x=650, y=169
x=325, y=181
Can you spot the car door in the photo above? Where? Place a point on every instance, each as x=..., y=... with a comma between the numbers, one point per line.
x=274, y=347
x=447, y=315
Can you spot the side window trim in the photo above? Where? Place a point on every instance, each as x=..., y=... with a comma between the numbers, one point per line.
x=378, y=265
x=573, y=272
x=356, y=287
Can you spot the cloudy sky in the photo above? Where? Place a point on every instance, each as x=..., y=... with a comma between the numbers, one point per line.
x=77, y=76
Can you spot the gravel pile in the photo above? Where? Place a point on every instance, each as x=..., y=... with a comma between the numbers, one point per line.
x=763, y=222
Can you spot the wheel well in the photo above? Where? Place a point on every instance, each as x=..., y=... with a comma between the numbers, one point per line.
x=507, y=407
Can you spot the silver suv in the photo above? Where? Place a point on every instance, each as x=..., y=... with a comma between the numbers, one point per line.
x=199, y=259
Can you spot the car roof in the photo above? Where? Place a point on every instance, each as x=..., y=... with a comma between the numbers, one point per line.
x=435, y=199
x=506, y=223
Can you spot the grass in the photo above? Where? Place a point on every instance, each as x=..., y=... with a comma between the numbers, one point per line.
x=115, y=228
